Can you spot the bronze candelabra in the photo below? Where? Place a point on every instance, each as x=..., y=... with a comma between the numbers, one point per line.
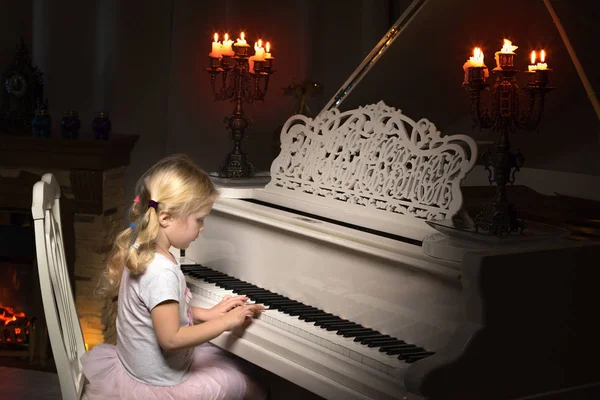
x=241, y=85
x=499, y=216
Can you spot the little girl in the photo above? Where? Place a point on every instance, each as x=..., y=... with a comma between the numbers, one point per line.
x=162, y=349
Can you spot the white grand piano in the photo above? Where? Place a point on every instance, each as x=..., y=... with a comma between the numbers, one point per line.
x=336, y=239
x=334, y=246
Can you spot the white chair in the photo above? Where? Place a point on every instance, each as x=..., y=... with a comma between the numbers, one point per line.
x=64, y=329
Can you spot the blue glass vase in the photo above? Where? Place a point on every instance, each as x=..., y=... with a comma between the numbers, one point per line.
x=70, y=125
x=101, y=126
x=42, y=123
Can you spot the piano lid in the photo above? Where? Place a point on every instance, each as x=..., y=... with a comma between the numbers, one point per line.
x=417, y=67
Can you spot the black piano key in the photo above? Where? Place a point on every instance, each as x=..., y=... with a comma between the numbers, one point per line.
x=272, y=302
x=345, y=329
x=296, y=306
x=258, y=294
x=256, y=291
x=255, y=296
x=310, y=313
x=373, y=338
x=193, y=267
x=282, y=303
x=412, y=352
x=397, y=350
x=319, y=319
x=238, y=285
x=340, y=329
x=421, y=356
x=397, y=346
x=241, y=290
x=203, y=272
x=213, y=279
x=267, y=296
x=306, y=314
x=332, y=321
x=205, y=275
x=368, y=335
x=357, y=332
x=348, y=327
x=385, y=342
x=280, y=299
x=224, y=278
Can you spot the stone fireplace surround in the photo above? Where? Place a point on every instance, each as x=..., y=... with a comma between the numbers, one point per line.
x=91, y=176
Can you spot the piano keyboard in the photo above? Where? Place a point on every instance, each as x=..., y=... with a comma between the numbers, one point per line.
x=349, y=339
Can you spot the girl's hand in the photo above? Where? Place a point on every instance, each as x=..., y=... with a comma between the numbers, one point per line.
x=224, y=306
x=239, y=315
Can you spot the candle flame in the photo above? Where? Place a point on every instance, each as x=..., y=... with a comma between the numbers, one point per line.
x=477, y=56
x=533, y=57
x=242, y=35
x=508, y=47
x=216, y=37
x=259, y=43
x=268, y=47
x=543, y=56
x=226, y=37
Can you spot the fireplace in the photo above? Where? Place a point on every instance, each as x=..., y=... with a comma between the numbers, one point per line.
x=91, y=176
x=22, y=324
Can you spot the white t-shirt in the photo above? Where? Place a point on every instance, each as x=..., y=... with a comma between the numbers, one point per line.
x=137, y=345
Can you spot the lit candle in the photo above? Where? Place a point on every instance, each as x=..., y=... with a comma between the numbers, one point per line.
x=226, y=50
x=542, y=64
x=476, y=60
x=474, y=67
x=258, y=57
x=259, y=51
x=268, y=57
x=241, y=41
x=532, y=67
x=216, y=47
x=505, y=57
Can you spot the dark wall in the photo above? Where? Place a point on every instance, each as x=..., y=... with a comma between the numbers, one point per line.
x=143, y=61
x=421, y=73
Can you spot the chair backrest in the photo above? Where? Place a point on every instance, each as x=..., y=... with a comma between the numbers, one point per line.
x=64, y=329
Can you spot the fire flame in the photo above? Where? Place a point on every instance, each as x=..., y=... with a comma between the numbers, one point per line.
x=216, y=37
x=477, y=57
x=533, y=57
x=268, y=47
x=242, y=36
x=543, y=56
x=226, y=37
x=508, y=47
x=8, y=315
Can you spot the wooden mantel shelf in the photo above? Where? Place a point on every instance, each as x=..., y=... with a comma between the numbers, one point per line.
x=82, y=154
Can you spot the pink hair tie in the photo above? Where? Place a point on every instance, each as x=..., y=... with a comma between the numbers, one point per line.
x=137, y=199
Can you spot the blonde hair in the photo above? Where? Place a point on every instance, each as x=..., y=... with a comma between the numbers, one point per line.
x=180, y=188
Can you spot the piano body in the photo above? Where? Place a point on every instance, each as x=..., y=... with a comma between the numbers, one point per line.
x=335, y=246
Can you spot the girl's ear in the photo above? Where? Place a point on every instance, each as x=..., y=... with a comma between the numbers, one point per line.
x=164, y=219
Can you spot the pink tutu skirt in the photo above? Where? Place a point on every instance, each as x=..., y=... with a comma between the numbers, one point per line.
x=214, y=374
